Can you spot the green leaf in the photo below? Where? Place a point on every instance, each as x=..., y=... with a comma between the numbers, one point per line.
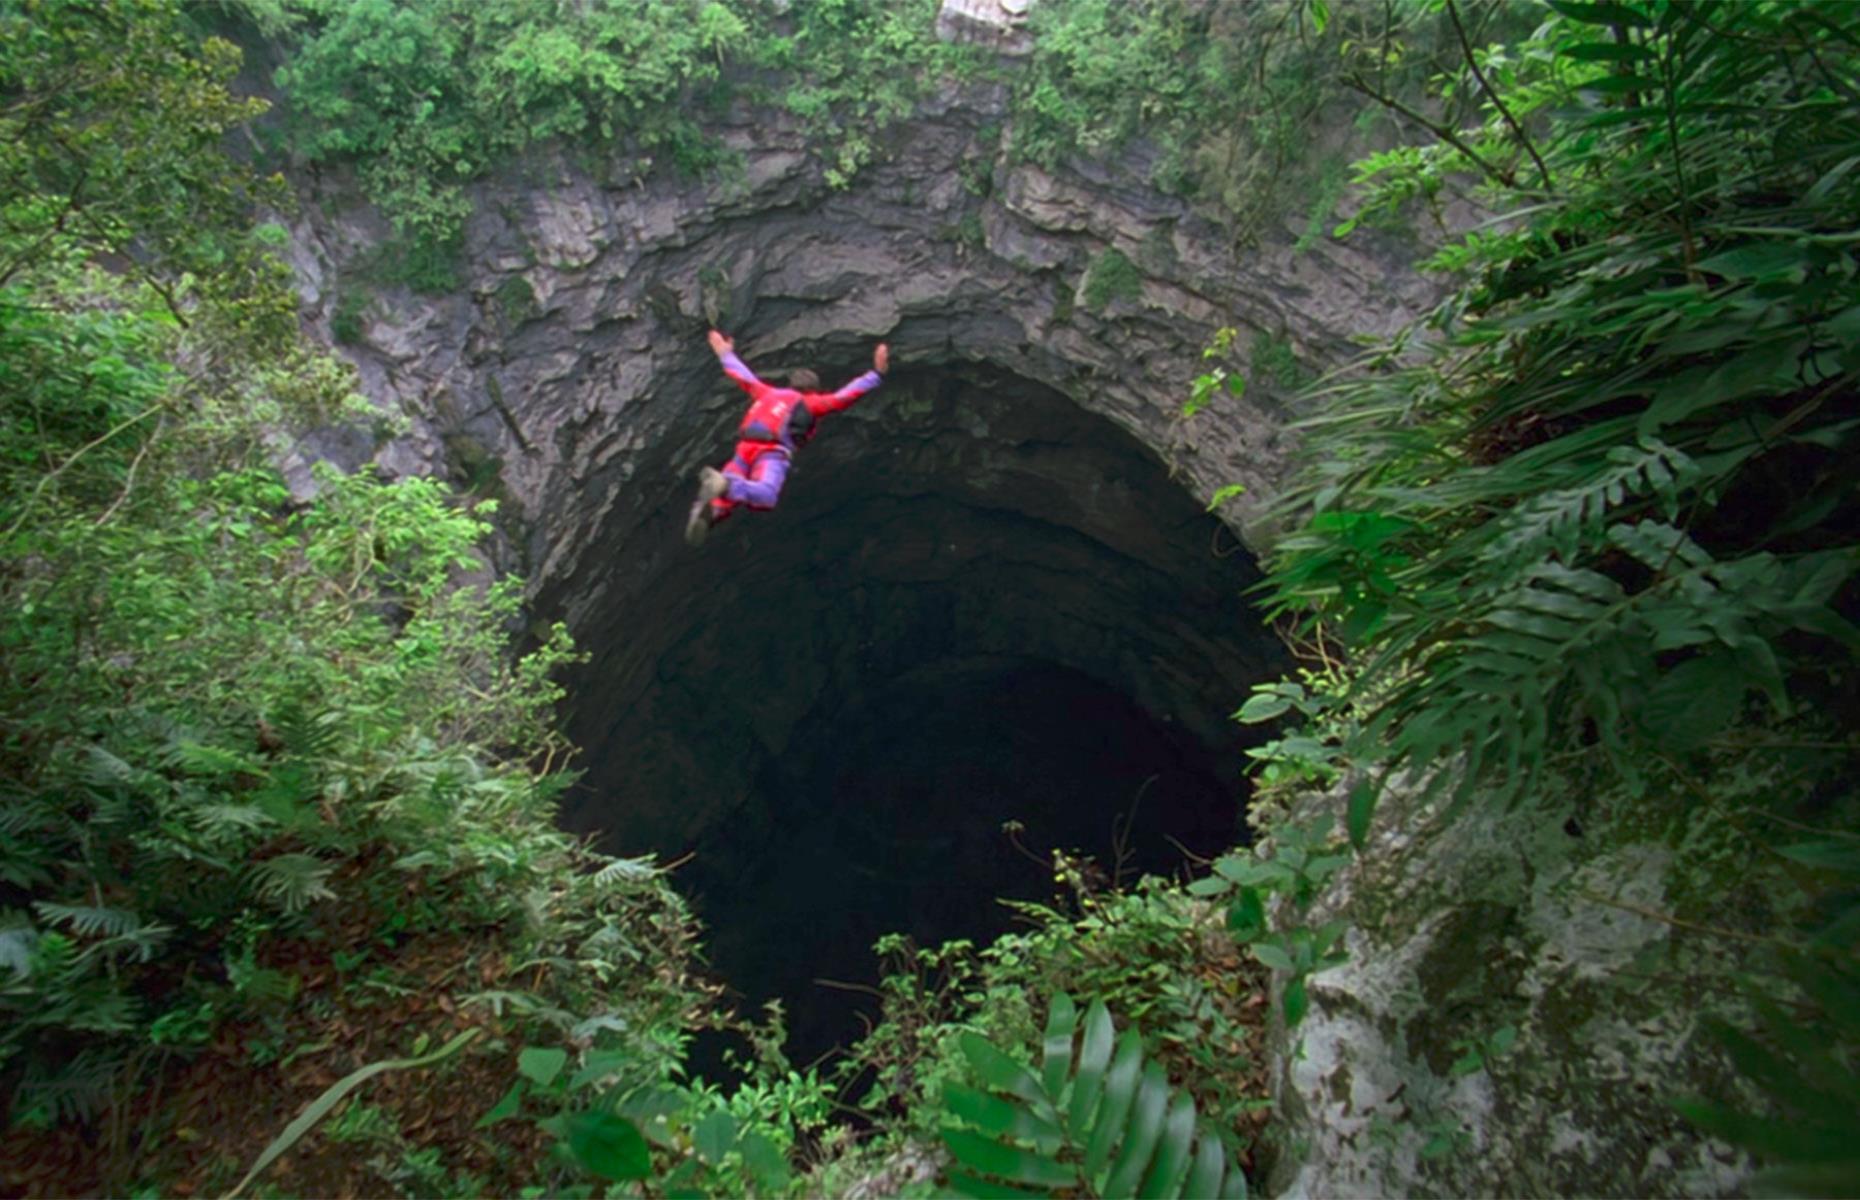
x=1223, y=494
x=1061, y=1023
x=332, y=1096
x=1012, y=1163
x=765, y=1161
x=1758, y=260
x=505, y=1108
x=1000, y=1118
x=1273, y=956
x=964, y=1184
x=997, y=1069
x=1296, y=1001
x=1608, y=52
x=1204, y=1178
x=1695, y=701
x=541, y=1065
x=1262, y=706
x=1120, y=1091
x=1171, y=1157
x=1246, y=917
x=1362, y=808
x=1145, y=1128
x=1210, y=885
x=609, y=1146
x=1094, y=1057
x=1602, y=13
x=714, y=1136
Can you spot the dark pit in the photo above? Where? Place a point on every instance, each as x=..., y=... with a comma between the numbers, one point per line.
x=977, y=604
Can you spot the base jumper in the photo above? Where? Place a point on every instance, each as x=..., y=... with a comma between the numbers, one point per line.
x=779, y=419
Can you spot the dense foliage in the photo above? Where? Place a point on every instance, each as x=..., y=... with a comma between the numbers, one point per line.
x=425, y=98
x=1595, y=523
x=258, y=748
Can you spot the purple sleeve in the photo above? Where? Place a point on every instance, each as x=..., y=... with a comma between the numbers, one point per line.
x=835, y=401
x=737, y=370
x=771, y=471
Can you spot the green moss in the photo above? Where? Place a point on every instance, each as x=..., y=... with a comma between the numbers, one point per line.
x=345, y=322
x=1111, y=276
x=516, y=299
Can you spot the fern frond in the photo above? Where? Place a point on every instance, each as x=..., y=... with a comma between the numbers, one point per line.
x=292, y=881
x=219, y=819
x=1095, y=1121
x=1567, y=520
x=622, y=871
x=89, y=921
x=76, y=1090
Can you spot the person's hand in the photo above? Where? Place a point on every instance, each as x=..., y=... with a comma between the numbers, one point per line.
x=881, y=358
x=721, y=345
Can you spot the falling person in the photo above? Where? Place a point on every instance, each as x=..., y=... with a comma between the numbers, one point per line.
x=779, y=419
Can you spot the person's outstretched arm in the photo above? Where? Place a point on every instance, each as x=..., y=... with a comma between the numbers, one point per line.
x=828, y=402
x=725, y=350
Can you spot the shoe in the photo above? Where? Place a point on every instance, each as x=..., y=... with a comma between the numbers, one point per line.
x=698, y=523
x=712, y=483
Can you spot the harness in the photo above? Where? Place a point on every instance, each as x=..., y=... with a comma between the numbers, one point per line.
x=768, y=416
x=776, y=420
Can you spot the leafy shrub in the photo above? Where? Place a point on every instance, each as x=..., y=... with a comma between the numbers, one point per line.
x=1095, y=1121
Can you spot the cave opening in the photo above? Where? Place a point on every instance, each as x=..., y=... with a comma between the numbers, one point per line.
x=983, y=624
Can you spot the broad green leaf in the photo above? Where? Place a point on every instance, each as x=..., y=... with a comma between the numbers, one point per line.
x=1204, y=1178
x=609, y=1146
x=1296, y=1001
x=1248, y=871
x=714, y=1136
x=1362, y=808
x=505, y=1108
x=1602, y=13
x=1171, y=1158
x=540, y=1065
x=1061, y=1023
x=1273, y=956
x=1263, y=706
x=1120, y=1091
x=1757, y=260
x=1145, y=1129
x=1000, y=1118
x=964, y=1184
x=997, y=1069
x=1831, y=855
x=1210, y=885
x=1094, y=1057
x=1246, y=917
x=1608, y=52
x=1011, y=1163
x=1615, y=85
x=765, y=1161
x=1695, y=701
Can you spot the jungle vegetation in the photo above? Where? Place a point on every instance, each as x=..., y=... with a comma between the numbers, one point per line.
x=276, y=801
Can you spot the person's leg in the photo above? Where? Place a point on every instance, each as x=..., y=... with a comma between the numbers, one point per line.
x=711, y=506
x=762, y=487
x=724, y=501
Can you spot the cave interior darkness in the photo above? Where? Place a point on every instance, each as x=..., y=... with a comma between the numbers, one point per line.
x=977, y=603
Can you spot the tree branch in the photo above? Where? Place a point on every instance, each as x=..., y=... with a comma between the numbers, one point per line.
x=1497, y=102
x=1445, y=134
